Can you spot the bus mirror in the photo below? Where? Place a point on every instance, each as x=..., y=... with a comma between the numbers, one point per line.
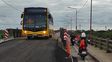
x=49, y=16
x=21, y=15
x=21, y=23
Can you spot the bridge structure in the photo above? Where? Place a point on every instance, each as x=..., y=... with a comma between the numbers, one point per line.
x=19, y=49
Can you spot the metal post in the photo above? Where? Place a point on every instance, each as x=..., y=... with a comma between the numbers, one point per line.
x=76, y=15
x=91, y=21
x=107, y=46
x=79, y=26
x=76, y=19
x=71, y=23
x=105, y=28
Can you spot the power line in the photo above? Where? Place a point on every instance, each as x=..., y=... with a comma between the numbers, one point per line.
x=83, y=5
x=10, y=5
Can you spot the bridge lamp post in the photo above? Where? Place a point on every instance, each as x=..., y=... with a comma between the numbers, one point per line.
x=91, y=20
x=76, y=15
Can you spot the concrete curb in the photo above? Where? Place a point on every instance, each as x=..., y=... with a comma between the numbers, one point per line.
x=1, y=40
x=96, y=60
x=5, y=40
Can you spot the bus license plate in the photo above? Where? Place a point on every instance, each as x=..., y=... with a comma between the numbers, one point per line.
x=84, y=52
x=34, y=34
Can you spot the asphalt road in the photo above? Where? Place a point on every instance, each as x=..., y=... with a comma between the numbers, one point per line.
x=38, y=50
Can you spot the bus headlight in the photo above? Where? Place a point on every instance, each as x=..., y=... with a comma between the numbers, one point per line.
x=44, y=32
x=25, y=31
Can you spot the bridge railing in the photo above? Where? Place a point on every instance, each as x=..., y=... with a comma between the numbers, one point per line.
x=105, y=44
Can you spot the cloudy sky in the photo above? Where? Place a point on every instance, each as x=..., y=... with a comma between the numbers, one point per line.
x=11, y=10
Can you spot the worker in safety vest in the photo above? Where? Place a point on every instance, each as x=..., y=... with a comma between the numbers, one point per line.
x=67, y=47
x=62, y=36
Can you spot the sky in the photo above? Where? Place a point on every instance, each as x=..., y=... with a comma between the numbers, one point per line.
x=10, y=16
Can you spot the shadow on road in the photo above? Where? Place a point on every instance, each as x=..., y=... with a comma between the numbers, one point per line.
x=60, y=55
x=39, y=38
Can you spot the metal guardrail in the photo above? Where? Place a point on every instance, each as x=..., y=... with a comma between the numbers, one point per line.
x=105, y=44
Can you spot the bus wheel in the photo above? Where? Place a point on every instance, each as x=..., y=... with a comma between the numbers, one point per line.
x=46, y=37
x=50, y=36
x=28, y=37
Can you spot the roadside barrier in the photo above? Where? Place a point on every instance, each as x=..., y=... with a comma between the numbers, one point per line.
x=105, y=44
x=9, y=34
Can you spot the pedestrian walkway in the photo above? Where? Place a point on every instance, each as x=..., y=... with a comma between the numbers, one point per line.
x=101, y=55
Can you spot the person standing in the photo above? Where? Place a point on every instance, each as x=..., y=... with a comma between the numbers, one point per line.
x=62, y=36
x=67, y=46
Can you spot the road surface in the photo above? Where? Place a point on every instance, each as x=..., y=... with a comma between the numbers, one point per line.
x=37, y=50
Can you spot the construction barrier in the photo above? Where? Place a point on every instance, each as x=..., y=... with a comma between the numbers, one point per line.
x=14, y=33
x=9, y=34
x=105, y=44
x=6, y=34
x=1, y=34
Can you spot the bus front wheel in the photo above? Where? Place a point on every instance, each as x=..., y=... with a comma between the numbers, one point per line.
x=28, y=37
x=50, y=36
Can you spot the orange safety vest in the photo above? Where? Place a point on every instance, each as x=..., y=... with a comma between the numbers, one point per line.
x=67, y=45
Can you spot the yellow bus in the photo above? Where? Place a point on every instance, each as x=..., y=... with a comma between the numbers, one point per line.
x=37, y=21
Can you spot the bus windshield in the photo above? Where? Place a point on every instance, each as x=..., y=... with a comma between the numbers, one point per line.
x=34, y=21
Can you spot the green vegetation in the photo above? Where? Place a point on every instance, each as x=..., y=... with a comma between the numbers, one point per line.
x=98, y=34
x=95, y=34
x=1, y=33
x=103, y=34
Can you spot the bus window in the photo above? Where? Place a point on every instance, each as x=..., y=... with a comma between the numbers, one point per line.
x=35, y=21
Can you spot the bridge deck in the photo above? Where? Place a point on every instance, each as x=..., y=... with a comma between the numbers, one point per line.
x=22, y=50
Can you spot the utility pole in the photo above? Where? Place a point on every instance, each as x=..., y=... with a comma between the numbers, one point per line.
x=76, y=19
x=71, y=23
x=105, y=28
x=79, y=26
x=91, y=20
